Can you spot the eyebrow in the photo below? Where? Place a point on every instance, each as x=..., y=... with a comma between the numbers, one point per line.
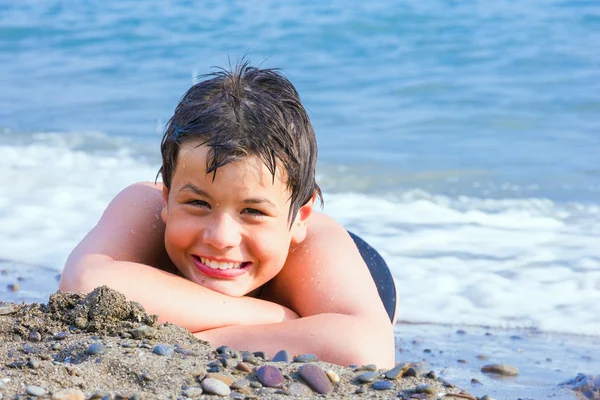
x=250, y=200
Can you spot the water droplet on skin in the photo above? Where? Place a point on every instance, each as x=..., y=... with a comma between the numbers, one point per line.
x=132, y=232
x=154, y=226
x=157, y=216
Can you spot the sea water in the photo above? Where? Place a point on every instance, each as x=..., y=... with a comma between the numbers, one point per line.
x=460, y=139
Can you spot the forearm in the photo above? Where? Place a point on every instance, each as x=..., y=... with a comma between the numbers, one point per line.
x=336, y=338
x=174, y=299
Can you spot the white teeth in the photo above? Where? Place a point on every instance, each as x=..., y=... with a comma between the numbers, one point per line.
x=219, y=265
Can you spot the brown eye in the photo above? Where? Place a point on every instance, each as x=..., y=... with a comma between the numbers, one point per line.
x=198, y=203
x=253, y=212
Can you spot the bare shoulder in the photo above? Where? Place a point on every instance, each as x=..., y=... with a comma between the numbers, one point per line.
x=326, y=274
x=130, y=228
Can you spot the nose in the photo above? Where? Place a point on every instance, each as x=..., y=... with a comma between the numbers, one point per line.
x=223, y=232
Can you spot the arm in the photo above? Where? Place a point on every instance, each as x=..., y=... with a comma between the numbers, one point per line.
x=326, y=281
x=122, y=252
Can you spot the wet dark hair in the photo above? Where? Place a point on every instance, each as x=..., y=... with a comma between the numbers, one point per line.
x=241, y=112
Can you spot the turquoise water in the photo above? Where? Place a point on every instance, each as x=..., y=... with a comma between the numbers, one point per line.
x=461, y=96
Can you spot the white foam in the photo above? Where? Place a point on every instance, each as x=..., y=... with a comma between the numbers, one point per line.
x=512, y=262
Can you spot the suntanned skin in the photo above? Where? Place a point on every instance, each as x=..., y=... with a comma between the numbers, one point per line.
x=323, y=300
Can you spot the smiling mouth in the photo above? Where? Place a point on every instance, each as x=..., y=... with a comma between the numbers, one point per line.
x=217, y=265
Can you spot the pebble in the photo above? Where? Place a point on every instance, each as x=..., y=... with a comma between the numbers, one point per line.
x=250, y=358
x=199, y=373
x=256, y=385
x=163, y=350
x=398, y=371
x=226, y=350
x=428, y=389
x=306, y=358
x=281, y=356
x=270, y=376
x=242, y=383
x=147, y=376
x=369, y=367
x=500, y=369
x=316, y=378
x=60, y=335
x=98, y=394
x=243, y=367
x=261, y=354
x=68, y=394
x=33, y=364
x=383, y=385
x=360, y=390
x=482, y=357
x=13, y=287
x=56, y=347
x=223, y=378
x=143, y=332
x=367, y=377
x=36, y=391
x=34, y=336
x=8, y=309
x=587, y=386
x=215, y=386
x=410, y=373
x=486, y=397
x=96, y=348
x=193, y=392
x=298, y=389
x=333, y=377
x=215, y=363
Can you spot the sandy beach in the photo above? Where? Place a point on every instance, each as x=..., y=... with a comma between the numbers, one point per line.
x=447, y=360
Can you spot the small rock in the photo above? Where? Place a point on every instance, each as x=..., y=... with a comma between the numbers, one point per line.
x=34, y=336
x=13, y=287
x=242, y=383
x=587, y=386
x=261, y=354
x=482, y=357
x=398, y=371
x=68, y=394
x=143, y=332
x=215, y=386
x=60, y=335
x=226, y=350
x=214, y=363
x=256, y=385
x=193, y=392
x=316, y=378
x=99, y=394
x=36, y=391
x=56, y=347
x=383, y=385
x=7, y=309
x=281, y=356
x=148, y=377
x=223, y=378
x=500, y=369
x=250, y=358
x=461, y=332
x=360, y=390
x=96, y=348
x=475, y=381
x=333, y=377
x=163, y=350
x=486, y=397
x=410, y=373
x=306, y=358
x=33, y=364
x=298, y=389
x=270, y=376
x=427, y=389
x=369, y=367
x=199, y=374
x=368, y=377
x=242, y=366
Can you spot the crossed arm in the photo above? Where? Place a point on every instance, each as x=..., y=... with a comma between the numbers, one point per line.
x=332, y=312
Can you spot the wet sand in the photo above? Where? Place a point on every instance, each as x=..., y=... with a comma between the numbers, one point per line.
x=454, y=353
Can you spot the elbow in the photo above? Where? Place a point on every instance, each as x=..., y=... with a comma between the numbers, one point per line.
x=77, y=275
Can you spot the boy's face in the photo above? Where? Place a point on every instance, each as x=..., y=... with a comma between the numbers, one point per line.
x=231, y=235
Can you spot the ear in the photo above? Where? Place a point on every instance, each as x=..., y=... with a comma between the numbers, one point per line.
x=300, y=226
x=165, y=197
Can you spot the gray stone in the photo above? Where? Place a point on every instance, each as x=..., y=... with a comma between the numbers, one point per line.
x=281, y=356
x=306, y=358
x=34, y=336
x=500, y=369
x=36, y=391
x=193, y=392
x=410, y=373
x=587, y=386
x=427, y=389
x=61, y=335
x=398, y=371
x=368, y=377
x=242, y=383
x=7, y=309
x=368, y=367
x=143, y=332
x=383, y=385
x=163, y=350
x=96, y=348
x=261, y=354
x=250, y=358
x=270, y=376
x=215, y=386
x=316, y=378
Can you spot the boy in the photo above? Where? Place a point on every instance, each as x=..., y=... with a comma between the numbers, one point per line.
x=229, y=246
